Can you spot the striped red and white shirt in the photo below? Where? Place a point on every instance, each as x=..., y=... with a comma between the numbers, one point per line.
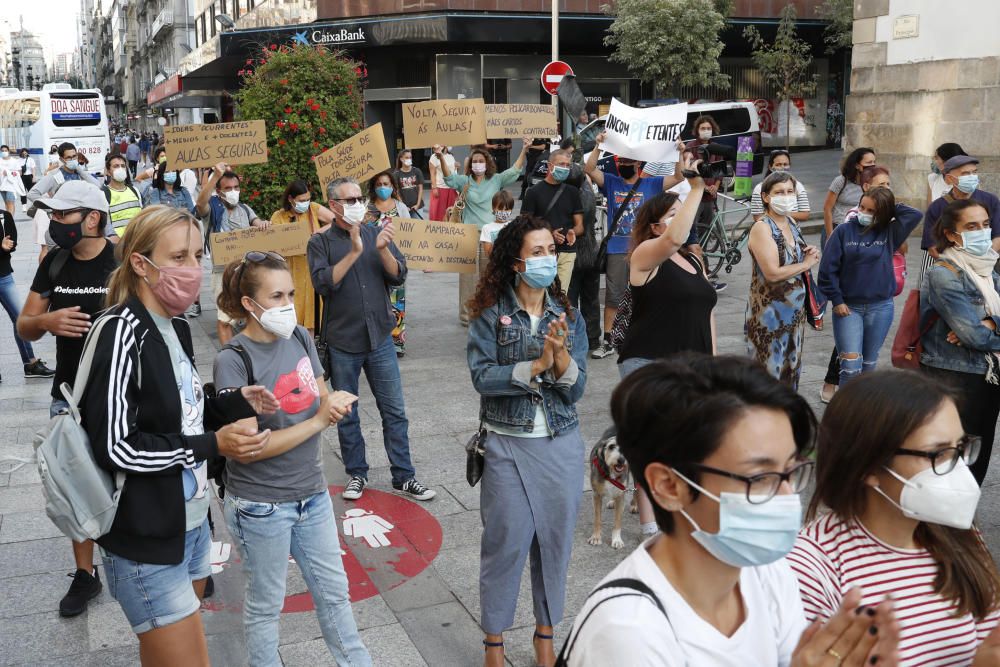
x=831, y=556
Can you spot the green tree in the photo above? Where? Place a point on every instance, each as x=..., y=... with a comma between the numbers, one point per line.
x=670, y=43
x=839, y=34
x=784, y=63
x=311, y=99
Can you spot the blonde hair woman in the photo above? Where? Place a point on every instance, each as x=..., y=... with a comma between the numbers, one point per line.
x=147, y=417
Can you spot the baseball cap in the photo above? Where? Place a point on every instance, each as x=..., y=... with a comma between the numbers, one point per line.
x=75, y=194
x=958, y=161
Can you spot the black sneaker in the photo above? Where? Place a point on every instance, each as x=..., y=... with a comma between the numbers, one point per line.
x=414, y=489
x=605, y=350
x=85, y=587
x=38, y=369
x=193, y=311
x=719, y=286
x=354, y=488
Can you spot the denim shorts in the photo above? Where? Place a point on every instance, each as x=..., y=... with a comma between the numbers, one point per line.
x=154, y=596
x=8, y=196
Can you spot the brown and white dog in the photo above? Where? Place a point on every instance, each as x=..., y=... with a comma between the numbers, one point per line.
x=610, y=475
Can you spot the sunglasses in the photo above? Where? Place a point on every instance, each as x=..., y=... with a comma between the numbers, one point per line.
x=257, y=256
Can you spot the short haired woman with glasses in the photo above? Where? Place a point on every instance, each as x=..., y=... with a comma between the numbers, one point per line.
x=276, y=501
x=892, y=514
x=721, y=448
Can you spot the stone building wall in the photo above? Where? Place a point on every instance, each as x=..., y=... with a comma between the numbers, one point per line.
x=910, y=94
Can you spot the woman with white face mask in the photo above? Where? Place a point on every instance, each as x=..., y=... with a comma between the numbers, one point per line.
x=277, y=503
x=959, y=315
x=892, y=514
x=722, y=450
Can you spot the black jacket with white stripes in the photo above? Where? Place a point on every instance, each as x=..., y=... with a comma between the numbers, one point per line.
x=138, y=431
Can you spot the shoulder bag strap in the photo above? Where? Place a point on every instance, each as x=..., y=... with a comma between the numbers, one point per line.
x=247, y=362
x=555, y=198
x=58, y=263
x=621, y=209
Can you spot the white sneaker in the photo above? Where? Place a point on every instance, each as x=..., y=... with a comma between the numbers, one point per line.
x=354, y=488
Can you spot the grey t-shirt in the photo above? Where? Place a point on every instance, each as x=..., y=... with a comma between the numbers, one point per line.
x=289, y=371
x=192, y=421
x=850, y=197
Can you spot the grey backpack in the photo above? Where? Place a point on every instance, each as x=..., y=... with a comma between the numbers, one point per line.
x=81, y=498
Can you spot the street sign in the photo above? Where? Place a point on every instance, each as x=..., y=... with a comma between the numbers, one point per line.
x=552, y=75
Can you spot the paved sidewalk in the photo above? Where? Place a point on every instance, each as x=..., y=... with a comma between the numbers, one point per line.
x=417, y=598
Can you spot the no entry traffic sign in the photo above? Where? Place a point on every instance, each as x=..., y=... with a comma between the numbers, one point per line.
x=552, y=75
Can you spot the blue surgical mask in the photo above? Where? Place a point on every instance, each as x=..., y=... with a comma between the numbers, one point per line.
x=539, y=272
x=560, y=173
x=968, y=183
x=302, y=206
x=170, y=177
x=383, y=192
x=978, y=242
x=750, y=535
x=72, y=165
x=934, y=168
x=865, y=219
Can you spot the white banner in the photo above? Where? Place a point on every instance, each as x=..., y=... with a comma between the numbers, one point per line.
x=649, y=135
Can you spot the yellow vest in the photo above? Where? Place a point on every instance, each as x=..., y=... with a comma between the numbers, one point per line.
x=124, y=205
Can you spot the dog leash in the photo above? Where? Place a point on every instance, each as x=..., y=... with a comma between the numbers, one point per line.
x=606, y=474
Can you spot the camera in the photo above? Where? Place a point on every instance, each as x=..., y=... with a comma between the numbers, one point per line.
x=707, y=169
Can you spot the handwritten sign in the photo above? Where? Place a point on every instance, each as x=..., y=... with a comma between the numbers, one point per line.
x=190, y=146
x=360, y=157
x=287, y=240
x=513, y=121
x=445, y=122
x=644, y=134
x=447, y=247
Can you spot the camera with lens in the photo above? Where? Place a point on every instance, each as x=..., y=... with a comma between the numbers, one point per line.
x=706, y=169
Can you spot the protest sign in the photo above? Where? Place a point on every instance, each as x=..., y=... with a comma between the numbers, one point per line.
x=447, y=247
x=444, y=122
x=644, y=134
x=513, y=121
x=360, y=157
x=190, y=146
x=743, y=183
x=287, y=240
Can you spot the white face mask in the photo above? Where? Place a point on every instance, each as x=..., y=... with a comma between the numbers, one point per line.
x=783, y=204
x=355, y=213
x=119, y=174
x=948, y=500
x=280, y=320
x=478, y=168
x=407, y=163
x=705, y=134
x=232, y=197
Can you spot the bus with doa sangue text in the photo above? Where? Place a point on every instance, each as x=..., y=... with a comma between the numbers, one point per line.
x=38, y=119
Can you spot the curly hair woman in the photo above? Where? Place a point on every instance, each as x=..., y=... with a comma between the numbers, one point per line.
x=528, y=358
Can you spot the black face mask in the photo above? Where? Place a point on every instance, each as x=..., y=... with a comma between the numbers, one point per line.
x=626, y=171
x=66, y=235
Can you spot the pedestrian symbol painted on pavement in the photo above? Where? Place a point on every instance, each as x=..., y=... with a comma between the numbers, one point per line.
x=367, y=526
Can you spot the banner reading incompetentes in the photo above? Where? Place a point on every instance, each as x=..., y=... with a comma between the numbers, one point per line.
x=447, y=247
x=190, y=146
x=649, y=135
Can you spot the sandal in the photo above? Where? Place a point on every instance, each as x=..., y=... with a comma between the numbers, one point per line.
x=542, y=637
x=489, y=645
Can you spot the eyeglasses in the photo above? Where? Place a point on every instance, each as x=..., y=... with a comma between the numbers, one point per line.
x=351, y=200
x=944, y=460
x=763, y=487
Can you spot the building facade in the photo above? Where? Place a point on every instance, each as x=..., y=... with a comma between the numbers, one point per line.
x=27, y=60
x=924, y=74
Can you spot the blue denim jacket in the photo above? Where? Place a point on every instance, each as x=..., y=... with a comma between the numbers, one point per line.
x=500, y=350
x=959, y=303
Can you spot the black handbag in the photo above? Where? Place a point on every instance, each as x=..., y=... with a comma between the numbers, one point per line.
x=475, y=456
x=602, y=252
x=322, y=349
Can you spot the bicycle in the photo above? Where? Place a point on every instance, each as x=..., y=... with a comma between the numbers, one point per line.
x=723, y=247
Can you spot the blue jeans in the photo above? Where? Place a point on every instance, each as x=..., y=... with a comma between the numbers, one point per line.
x=8, y=298
x=626, y=367
x=861, y=333
x=266, y=533
x=382, y=371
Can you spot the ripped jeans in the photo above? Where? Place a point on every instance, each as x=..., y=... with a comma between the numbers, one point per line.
x=860, y=335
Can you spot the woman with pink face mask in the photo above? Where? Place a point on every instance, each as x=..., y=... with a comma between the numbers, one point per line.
x=150, y=424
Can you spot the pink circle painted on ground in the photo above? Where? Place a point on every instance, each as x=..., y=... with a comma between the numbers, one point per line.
x=378, y=559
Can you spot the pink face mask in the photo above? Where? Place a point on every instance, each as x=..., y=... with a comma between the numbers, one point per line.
x=177, y=287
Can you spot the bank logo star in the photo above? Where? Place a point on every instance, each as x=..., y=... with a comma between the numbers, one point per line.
x=300, y=38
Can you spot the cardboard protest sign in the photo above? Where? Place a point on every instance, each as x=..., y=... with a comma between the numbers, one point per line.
x=287, y=240
x=445, y=122
x=190, y=146
x=644, y=134
x=513, y=121
x=360, y=157
x=447, y=247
